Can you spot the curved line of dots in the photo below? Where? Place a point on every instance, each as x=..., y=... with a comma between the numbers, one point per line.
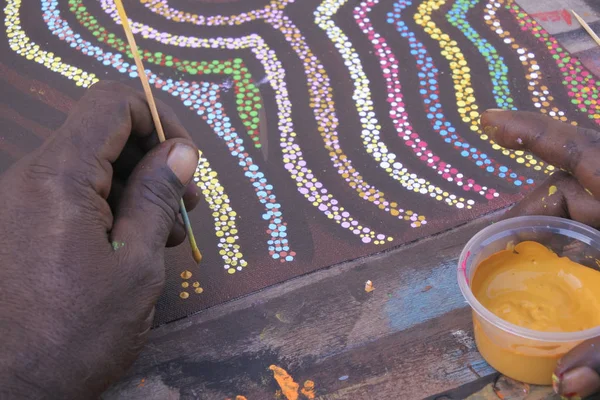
x=161, y=7
x=581, y=85
x=463, y=89
x=201, y=98
x=276, y=77
x=540, y=93
x=246, y=91
x=389, y=67
x=457, y=16
x=223, y=215
x=430, y=90
x=20, y=43
x=364, y=106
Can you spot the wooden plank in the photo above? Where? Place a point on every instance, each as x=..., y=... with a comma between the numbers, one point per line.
x=409, y=338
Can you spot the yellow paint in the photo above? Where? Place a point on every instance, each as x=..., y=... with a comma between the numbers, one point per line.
x=309, y=389
x=289, y=388
x=184, y=295
x=186, y=274
x=551, y=190
x=530, y=286
x=199, y=290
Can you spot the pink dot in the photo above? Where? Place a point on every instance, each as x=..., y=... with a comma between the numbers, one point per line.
x=366, y=239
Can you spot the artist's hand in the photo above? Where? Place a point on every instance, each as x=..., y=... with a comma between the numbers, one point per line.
x=83, y=225
x=575, y=189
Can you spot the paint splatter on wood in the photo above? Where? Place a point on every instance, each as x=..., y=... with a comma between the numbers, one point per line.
x=369, y=286
x=308, y=389
x=289, y=388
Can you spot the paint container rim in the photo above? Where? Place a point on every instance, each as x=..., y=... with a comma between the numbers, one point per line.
x=511, y=226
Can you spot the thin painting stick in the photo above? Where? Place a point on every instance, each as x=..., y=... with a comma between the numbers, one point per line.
x=152, y=104
x=587, y=27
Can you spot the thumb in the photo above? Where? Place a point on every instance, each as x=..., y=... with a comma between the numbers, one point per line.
x=150, y=202
x=577, y=373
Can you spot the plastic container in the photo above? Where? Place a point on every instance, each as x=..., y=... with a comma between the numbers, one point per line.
x=524, y=354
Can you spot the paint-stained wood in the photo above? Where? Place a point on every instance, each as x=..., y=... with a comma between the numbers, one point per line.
x=409, y=338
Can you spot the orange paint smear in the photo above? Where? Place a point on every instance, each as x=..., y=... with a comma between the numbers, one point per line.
x=240, y=398
x=309, y=389
x=289, y=388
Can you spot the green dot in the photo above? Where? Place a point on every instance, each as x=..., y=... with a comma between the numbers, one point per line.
x=169, y=63
x=240, y=97
x=243, y=116
x=253, y=126
x=237, y=60
x=255, y=138
x=258, y=145
x=192, y=71
x=228, y=71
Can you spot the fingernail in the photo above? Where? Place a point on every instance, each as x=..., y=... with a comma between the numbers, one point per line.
x=493, y=110
x=183, y=160
x=555, y=383
x=490, y=130
x=577, y=383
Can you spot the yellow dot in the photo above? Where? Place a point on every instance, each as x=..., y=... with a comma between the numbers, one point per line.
x=186, y=274
x=184, y=295
x=184, y=284
x=231, y=270
x=198, y=290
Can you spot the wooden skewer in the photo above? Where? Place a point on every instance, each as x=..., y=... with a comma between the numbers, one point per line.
x=586, y=27
x=157, y=124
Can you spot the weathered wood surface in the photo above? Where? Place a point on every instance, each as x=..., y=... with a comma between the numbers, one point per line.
x=408, y=339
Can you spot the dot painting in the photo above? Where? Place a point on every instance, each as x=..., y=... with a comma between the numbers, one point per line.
x=328, y=130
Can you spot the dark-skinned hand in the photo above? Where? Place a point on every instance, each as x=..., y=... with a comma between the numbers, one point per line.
x=85, y=220
x=576, y=151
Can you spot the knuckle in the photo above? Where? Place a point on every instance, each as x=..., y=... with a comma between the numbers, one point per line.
x=162, y=194
x=592, y=136
x=108, y=86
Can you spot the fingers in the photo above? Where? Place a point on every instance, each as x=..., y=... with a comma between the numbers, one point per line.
x=98, y=128
x=561, y=195
x=568, y=147
x=149, y=205
x=577, y=373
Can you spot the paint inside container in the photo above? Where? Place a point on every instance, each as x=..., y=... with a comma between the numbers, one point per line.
x=524, y=354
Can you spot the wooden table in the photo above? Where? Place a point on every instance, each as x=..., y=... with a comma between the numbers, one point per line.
x=410, y=338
